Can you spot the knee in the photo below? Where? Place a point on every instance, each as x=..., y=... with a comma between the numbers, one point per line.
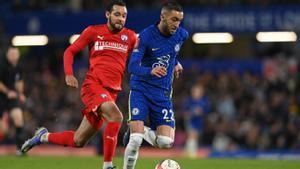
x=111, y=112
x=17, y=117
x=164, y=141
x=135, y=140
x=116, y=116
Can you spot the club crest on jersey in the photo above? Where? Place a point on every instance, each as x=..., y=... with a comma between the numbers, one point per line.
x=135, y=111
x=124, y=38
x=177, y=48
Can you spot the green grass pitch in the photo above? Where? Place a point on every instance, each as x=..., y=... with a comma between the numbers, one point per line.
x=45, y=162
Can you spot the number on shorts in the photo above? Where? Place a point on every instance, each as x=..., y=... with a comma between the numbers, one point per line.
x=168, y=115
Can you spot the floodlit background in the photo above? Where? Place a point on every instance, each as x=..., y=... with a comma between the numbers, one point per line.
x=244, y=53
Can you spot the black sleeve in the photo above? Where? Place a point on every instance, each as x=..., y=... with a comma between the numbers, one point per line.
x=2, y=72
x=19, y=71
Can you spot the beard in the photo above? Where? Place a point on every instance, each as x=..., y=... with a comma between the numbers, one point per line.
x=172, y=30
x=116, y=26
x=166, y=30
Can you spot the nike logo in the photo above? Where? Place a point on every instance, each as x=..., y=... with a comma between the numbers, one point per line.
x=100, y=37
x=155, y=49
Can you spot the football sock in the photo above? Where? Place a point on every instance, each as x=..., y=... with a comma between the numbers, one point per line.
x=150, y=136
x=110, y=140
x=65, y=138
x=107, y=164
x=164, y=141
x=19, y=137
x=132, y=150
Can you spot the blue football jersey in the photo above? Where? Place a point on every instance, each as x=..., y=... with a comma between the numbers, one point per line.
x=155, y=49
x=196, y=110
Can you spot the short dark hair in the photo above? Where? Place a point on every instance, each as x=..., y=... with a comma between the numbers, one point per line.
x=115, y=2
x=172, y=5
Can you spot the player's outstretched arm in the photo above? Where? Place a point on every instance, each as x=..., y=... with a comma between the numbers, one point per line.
x=83, y=40
x=68, y=66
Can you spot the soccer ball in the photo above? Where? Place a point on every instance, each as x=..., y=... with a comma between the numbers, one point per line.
x=167, y=164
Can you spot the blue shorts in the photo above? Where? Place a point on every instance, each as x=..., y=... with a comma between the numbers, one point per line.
x=159, y=112
x=195, y=123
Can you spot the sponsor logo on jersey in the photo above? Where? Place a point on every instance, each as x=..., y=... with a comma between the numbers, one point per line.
x=124, y=38
x=162, y=61
x=101, y=45
x=155, y=49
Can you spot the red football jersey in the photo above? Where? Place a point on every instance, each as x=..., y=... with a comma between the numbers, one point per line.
x=108, y=53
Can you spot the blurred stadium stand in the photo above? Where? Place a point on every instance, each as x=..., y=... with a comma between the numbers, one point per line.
x=253, y=86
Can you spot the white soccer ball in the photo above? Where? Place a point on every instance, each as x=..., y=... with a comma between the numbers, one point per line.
x=167, y=164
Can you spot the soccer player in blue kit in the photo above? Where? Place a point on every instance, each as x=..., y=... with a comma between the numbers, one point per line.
x=152, y=66
x=197, y=106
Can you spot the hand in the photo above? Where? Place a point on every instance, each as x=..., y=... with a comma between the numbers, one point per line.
x=159, y=71
x=71, y=81
x=12, y=94
x=22, y=98
x=178, y=70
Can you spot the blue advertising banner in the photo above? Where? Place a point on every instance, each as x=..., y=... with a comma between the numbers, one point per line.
x=239, y=20
x=57, y=24
x=233, y=19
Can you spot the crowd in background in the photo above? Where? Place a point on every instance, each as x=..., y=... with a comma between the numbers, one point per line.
x=256, y=111
x=248, y=110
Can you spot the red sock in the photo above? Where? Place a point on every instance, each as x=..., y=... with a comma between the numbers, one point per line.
x=65, y=138
x=110, y=140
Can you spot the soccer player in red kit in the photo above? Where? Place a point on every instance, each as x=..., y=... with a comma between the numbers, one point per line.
x=109, y=46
